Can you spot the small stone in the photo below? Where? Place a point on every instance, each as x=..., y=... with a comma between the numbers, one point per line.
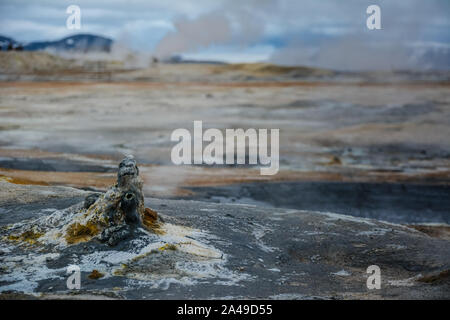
x=95, y=274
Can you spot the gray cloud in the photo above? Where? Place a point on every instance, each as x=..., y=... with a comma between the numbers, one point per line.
x=328, y=33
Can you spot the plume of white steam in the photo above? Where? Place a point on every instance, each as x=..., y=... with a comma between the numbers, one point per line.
x=397, y=46
x=394, y=47
x=349, y=53
x=190, y=35
x=121, y=51
x=235, y=23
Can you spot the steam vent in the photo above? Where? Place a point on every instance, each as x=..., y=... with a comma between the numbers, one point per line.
x=115, y=215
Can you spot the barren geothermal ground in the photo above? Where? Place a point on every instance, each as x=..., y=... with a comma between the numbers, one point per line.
x=363, y=180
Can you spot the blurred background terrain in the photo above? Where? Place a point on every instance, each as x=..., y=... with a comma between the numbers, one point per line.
x=364, y=116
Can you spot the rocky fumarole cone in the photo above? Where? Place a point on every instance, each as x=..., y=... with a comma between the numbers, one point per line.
x=114, y=215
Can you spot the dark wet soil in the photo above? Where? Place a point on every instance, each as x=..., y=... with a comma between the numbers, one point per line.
x=57, y=165
x=393, y=202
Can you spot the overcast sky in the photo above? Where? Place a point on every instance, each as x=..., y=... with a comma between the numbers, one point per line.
x=317, y=32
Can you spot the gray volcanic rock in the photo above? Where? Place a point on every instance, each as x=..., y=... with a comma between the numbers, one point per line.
x=206, y=250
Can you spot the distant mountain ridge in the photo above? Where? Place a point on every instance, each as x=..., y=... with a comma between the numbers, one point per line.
x=76, y=43
x=423, y=56
x=5, y=42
